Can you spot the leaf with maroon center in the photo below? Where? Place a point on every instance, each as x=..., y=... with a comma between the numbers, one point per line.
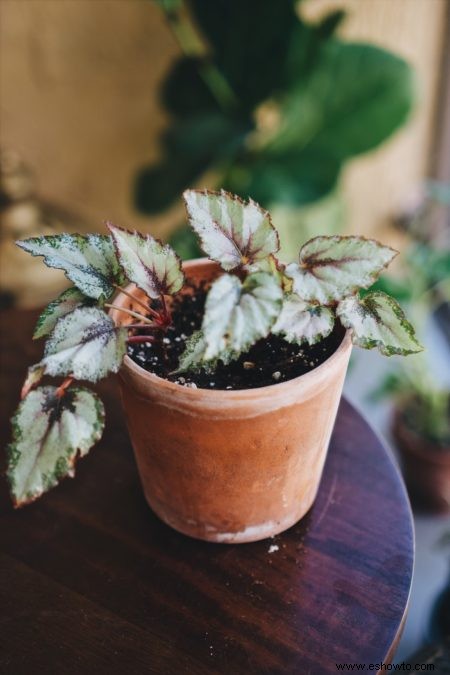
x=232, y=232
x=330, y=268
x=153, y=266
x=49, y=432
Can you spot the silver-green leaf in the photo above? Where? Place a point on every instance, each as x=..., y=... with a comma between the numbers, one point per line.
x=232, y=232
x=49, y=434
x=377, y=320
x=89, y=261
x=34, y=376
x=300, y=322
x=330, y=268
x=64, y=304
x=151, y=265
x=85, y=344
x=193, y=357
x=237, y=314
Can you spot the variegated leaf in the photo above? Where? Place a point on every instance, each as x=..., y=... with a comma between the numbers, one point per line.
x=232, y=232
x=64, y=304
x=88, y=261
x=236, y=316
x=330, y=268
x=49, y=433
x=300, y=322
x=85, y=344
x=192, y=359
x=377, y=320
x=34, y=376
x=151, y=265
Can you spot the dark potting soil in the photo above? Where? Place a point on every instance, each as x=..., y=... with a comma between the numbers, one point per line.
x=269, y=361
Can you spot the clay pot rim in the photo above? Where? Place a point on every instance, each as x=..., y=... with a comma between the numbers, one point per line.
x=227, y=394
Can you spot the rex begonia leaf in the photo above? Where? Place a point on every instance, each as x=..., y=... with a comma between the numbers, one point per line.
x=64, y=304
x=232, y=232
x=237, y=314
x=34, y=376
x=330, y=268
x=85, y=344
x=49, y=434
x=377, y=320
x=192, y=359
x=89, y=261
x=151, y=265
x=300, y=322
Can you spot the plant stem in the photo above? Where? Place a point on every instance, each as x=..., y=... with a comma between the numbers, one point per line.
x=192, y=46
x=136, y=315
x=137, y=339
x=139, y=302
x=143, y=325
x=62, y=388
x=166, y=310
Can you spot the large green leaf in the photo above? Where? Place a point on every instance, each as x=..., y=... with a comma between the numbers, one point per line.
x=249, y=41
x=184, y=92
x=231, y=232
x=85, y=344
x=88, y=261
x=356, y=96
x=49, y=434
x=151, y=265
x=189, y=148
x=378, y=321
x=292, y=177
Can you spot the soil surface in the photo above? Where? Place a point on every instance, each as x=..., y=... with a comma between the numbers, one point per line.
x=269, y=361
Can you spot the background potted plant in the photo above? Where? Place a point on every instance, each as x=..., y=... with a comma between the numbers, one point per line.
x=234, y=369
x=420, y=394
x=421, y=430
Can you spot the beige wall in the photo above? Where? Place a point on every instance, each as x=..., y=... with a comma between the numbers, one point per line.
x=377, y=184
x=78, y=98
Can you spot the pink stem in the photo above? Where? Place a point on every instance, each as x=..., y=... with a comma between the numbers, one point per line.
x=139, y=302
x=62, y=388
x=166, y=312
x=142, y=325
x=139, y=339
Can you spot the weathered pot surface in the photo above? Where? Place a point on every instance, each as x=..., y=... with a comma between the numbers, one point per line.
x=231, y=466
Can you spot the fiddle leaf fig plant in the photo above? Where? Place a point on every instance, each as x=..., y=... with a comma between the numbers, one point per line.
x=255, y=296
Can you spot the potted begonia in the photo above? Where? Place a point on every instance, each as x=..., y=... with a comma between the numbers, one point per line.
x=231, y=367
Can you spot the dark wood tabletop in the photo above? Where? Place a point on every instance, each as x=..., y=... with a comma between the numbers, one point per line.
x=92, y=582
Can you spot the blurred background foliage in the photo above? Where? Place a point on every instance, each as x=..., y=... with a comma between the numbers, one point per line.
x=270, y=106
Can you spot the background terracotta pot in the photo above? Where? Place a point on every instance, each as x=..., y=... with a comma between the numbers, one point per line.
x=231, y=466
x=425, y=465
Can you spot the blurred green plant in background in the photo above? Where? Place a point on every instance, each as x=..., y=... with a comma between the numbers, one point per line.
x=272, y=107
x=425, y=287
x=425, y=279
x=424, y=406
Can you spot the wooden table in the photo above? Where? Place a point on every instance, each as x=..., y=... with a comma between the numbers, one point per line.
x=93, y=582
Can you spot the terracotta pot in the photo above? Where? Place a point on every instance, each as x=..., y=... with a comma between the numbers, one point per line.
x=231, y=466
x=425, y=465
